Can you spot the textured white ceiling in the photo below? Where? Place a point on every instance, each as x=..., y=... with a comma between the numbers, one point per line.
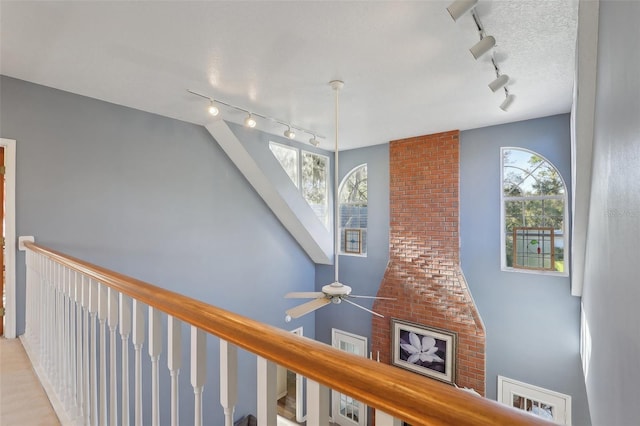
x=406, y=64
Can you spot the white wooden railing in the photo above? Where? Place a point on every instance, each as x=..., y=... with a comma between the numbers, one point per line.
x=76, y=310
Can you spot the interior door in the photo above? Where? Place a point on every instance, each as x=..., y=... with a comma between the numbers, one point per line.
x=346, y=410
x=2, y=269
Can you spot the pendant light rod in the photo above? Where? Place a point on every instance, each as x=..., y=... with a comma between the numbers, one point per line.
x=336, y=85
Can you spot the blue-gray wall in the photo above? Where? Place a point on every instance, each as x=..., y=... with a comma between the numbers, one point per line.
x=156, y=199
x=362, y=274
x=532, y=321
x=611, y=284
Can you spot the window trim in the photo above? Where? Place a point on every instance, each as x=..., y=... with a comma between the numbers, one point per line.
x=564, y=197
x=337, y=200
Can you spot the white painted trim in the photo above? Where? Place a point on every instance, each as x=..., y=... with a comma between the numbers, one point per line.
x=582, y=119
x=561, y=401
x=335, y=395
x=10, y=235
x=566, y=234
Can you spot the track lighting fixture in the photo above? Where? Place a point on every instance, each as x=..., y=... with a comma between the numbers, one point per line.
x=213, y=110
x=486, y=43
x=250, y=122
x=483, y=46
x=507, y=102
x=499, y=82
x=289, y=133
x=460, y=7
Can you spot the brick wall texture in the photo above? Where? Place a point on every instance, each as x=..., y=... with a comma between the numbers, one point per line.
x=424, y=274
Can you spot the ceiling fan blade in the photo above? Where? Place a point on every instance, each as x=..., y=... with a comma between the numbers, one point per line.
x=372, y=297
x=362, y=307
x=307, y=307
x=304, y=295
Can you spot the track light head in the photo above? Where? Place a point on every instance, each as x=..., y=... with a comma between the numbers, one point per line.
x=460, y=7
x=313, y=141
x=250, y=122
x=483, y=46
x=289, y=133
x=498, y=82
x=213, y=110
x=507, y=102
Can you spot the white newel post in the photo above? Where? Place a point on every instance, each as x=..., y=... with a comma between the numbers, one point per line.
x=103, y=310
x=125, y=331
x=174, y=362
x=155, y=347
x=198, y=370
x=112, y=319
x=93, y=358
x=228, y=380
x=383, y=419
x=267, y=393
x=317, y=404
x=138, y=341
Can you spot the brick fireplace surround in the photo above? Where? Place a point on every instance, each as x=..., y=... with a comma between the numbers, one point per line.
x=424, y=272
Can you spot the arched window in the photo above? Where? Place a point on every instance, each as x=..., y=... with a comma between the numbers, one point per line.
x=352, y=196
x=534, y=213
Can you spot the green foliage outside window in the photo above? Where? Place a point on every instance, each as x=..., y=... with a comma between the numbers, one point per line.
x=533, y=197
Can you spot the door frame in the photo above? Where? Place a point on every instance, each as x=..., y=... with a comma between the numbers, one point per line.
x=335, y=409
x=10, y=236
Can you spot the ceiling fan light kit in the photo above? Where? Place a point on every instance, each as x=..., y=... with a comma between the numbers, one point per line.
x=486, y=43
x=335, y=292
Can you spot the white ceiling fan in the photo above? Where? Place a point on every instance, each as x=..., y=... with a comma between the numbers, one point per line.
x=335, y=292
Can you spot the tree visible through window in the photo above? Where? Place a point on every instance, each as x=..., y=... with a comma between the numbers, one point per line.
x=310, y=175
x=352, y=197
x=534, y=212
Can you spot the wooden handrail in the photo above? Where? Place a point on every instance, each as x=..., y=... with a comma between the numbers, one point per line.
x=413, y=398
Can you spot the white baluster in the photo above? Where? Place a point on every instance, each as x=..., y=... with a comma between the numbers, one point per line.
x=317, y=404
x=69, y=337
x=113, y=367
x=93, y=359
x=138, y=341
x=78, y=361
x=58, y=343
x=155, y=347
x=198, y=370
x=86, y=375
x=383, y=419
x=228, y=380
x=267, y=393
x=174, y=362
x=125, y=331
x=103, y=310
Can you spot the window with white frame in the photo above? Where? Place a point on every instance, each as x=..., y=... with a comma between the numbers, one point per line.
x=534, y=213
x=309, y=172
x=544, y=403
x=353, y=214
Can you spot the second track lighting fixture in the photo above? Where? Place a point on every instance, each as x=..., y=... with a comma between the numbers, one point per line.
x=289, y=133
x=460, y=7
x=251, y=122
x=213, y=110
x=483, y=46
x=507, y=102
x=499, y=82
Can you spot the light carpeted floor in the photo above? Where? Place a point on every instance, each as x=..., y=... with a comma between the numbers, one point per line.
x=22, y=398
